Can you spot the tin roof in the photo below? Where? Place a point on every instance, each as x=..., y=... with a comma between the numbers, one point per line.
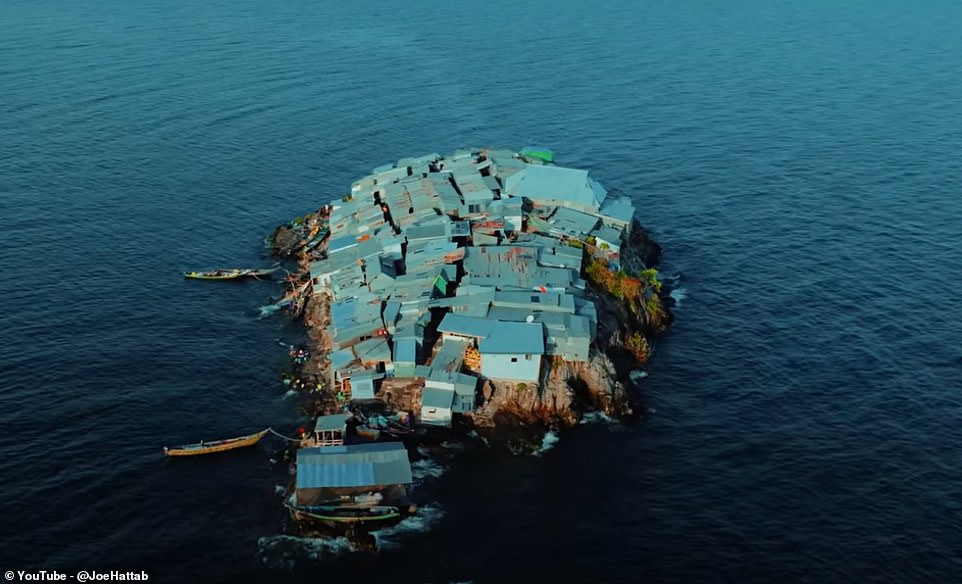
x=546, y=301
x=342, y=359
x=371, y=350
x=620, y=209
x=557, y=183
x=467, y=326
x=513, y=338
x=362, y=388
x=608, y=234
x=405, y=350
x=506, y=267
x=331, y=422
x=572, y=223
x=355, y=465
x=450, y=356
x=434, y=397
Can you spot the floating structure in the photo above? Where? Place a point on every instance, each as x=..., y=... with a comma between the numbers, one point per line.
x=359, y=483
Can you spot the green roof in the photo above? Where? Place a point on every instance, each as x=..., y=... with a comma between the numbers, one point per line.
x=538, y=153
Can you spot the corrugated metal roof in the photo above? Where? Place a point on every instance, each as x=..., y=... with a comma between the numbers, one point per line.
x=362, y=388
x=553, y=321
x=426, y=232
x=387, y=175
x=331, y=422
x=342, y=359
x=467, y=326
x=578, y=326
x=484, y=239
x=336, y=244
x=506, y=164
x=450, y=356
x=491, y=182
x=356, y=465
x=572, y=222
x=375, y=349
x=609, y=234
x=465, y=385
x=472, y=187
x=557, y=183
x=433, y=397
x=514, y=338
x=506, y=267
x=405, y=350
x=546, y=301
x=465, y=298
x=561, y=256
x=620, y=209
x=392, y=309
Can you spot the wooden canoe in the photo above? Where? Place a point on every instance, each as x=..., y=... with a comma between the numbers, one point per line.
x=345, y=514
x=232, y=274
x=215, y=446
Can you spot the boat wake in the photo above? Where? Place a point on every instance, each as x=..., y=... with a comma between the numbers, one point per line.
x=678, y=294
x=426, y=469
x=287, y=551
x=422, y=521
x=597, y=418
x=547, y=442
x=268, y=310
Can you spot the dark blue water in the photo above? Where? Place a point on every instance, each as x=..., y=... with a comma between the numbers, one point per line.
x=799, y=163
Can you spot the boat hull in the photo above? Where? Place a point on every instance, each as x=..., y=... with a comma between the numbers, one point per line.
x=342, y=515
x=229, y=274
x=216, y=446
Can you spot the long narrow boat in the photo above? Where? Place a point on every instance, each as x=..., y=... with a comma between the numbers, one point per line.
x=344, y=514
x=215, y=446
x=232, y=274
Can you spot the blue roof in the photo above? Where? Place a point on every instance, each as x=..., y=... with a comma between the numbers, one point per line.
x=374, y=349
x=342, y=358
x=356, y=465
x=362, y=388
x=619, y=208
x=404, y=350
x=450, y=356
x=514, y=338
x=608, y=234
x=433, y=397
x=331, y=422
x=464, y=325
x=572, y=222
x=557, y=183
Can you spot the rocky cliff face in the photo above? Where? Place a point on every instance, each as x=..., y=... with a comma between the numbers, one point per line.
x=519, y=413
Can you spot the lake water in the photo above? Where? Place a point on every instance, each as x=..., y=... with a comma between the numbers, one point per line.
x=798, y=162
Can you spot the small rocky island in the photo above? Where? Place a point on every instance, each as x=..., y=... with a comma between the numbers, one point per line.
x=486, y=291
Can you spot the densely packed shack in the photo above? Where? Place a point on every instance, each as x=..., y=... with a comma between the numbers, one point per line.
x=449, y=286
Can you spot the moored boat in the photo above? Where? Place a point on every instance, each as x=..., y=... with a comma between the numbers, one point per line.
x=340, y=514
x=203, y=447
x=232, y=274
